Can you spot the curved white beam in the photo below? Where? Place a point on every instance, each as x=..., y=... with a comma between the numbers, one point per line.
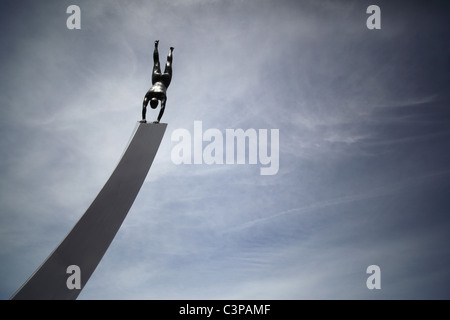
x=91, y=236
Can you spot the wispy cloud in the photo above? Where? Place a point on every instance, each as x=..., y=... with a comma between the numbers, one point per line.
x=369, y=194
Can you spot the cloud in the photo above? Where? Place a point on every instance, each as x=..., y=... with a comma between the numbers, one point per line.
x=374, y=193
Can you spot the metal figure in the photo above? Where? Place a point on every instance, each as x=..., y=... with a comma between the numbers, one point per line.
x=160, y=83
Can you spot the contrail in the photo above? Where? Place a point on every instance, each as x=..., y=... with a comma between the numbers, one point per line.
x=374, y=193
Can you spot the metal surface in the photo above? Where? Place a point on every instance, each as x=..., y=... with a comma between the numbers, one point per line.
x=88, y=241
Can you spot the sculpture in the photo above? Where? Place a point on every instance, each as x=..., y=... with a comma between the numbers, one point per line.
x=160, y=83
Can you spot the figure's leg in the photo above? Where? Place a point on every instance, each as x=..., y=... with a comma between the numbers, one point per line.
x=168, y=68
x=156, y=66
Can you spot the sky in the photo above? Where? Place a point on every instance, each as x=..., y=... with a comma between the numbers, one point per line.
x=364, y=160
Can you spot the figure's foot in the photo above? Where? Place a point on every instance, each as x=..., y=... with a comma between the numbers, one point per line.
x=156, y=121
x=143, y=121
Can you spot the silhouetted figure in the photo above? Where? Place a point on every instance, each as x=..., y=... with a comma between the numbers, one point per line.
x=160, y=83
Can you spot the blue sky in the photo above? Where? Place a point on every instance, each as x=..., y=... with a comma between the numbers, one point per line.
x=364, y=124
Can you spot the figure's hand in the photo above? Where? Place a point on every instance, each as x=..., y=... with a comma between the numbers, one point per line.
x=156, y=43
x=171, y=48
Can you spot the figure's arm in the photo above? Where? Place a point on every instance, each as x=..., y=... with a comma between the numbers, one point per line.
x=145, y=102
x=161, y=112
x=144, y=107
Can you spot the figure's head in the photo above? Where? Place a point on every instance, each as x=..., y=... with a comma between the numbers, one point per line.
x=154, y=103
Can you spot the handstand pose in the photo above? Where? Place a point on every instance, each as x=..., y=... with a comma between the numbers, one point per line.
x=160, y=83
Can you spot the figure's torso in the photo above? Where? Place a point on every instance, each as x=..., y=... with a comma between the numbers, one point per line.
x=158, y=87
x=158, y=91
